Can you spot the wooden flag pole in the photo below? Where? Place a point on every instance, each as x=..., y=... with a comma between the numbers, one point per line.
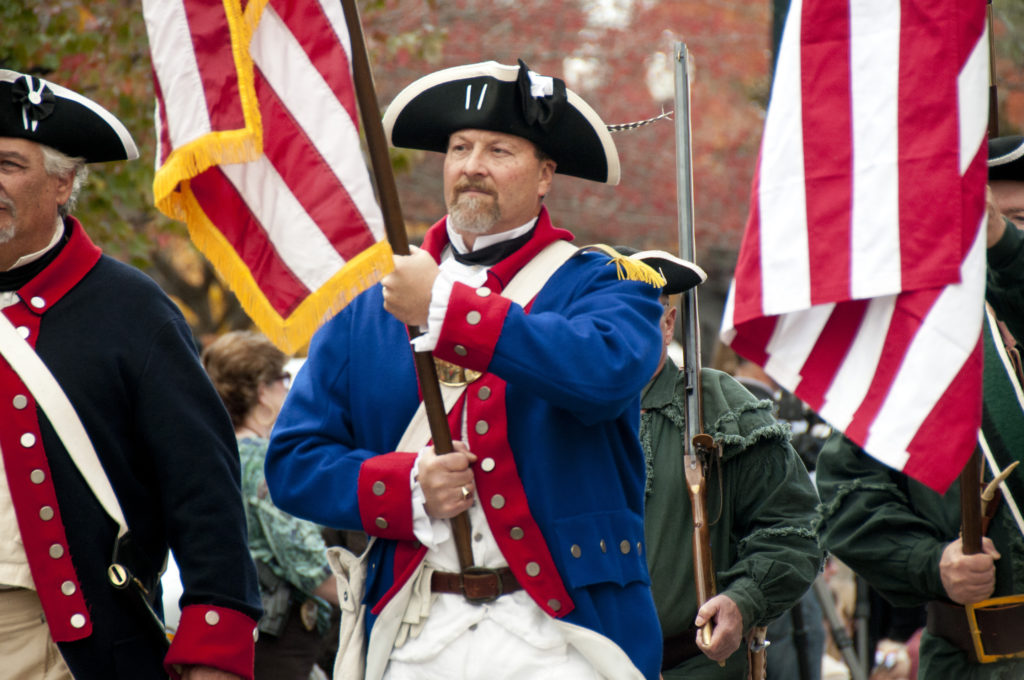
x=970, y=477
x=394, y=227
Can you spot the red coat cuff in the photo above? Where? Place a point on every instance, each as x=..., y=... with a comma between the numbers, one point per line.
x=472, y=326
x=212, y=636
x=385, y=496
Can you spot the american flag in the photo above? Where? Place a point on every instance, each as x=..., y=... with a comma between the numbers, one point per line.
x=860, y=280
x=259, y=154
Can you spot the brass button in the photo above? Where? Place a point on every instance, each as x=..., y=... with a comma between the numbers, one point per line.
x=532, y=568
x=56, y=551
x=473, y=318
x=604, y=546
x=461, y=351
x=624, y=547
x=484, y=393
x=68, y=587
x=497, y=501
x=554, y=605
x=483, y=291
x=20, y=401
x=28, y=440
x=639, y=548
x=212, y=617
x=46, y=513
x=78, y=621
x=575, y=550
x=487, y=464
x=516, y=533
x=481, y=427
x=381, y=523
x=379, y=488
x=37, y=476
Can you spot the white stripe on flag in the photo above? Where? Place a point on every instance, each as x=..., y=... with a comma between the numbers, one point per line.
x=174, y=60
x=793, y=340
x=972, y=101
x=934, y=358
x=311, y=102
x=336, y=16
x=875, y=267
x=296, y=238
x=852, y=380
x=785, y=262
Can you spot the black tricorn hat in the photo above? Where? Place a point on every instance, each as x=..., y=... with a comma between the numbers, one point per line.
x=680, y=275
x=44, y=112
x=508, y=99
x=1006, y=158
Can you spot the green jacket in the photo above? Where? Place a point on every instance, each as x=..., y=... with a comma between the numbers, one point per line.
x=1005, y=280
x=892, y=530
x=764, y=550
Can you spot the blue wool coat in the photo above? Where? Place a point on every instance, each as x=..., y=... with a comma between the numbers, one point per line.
x=559, y=401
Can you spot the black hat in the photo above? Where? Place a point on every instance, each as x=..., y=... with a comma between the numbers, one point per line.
x=1006, y=158
x=508, y=99
x=44, y=112
x=680, y=275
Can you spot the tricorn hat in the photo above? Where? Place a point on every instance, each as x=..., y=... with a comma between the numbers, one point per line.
x=44, y=112
x=680, y=275
x=1006, y=158
x=509, y=99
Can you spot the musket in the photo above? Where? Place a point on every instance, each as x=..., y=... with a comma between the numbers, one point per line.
x=700, y=447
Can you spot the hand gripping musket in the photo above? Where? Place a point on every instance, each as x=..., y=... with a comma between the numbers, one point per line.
x=700, y=447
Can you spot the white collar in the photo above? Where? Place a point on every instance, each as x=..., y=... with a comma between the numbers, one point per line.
x=58, y=232
x=485, y=240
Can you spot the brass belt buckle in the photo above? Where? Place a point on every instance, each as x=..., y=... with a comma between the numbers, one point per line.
x=479, y=575
x=972, y=623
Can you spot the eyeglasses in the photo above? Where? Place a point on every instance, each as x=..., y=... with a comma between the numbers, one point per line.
x=285, y=377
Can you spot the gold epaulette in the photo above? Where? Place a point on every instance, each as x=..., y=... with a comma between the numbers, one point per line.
x=628, y=268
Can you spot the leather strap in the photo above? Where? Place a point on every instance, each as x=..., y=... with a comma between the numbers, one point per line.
x=679, y=648
x=62, y=415
x=477, y=584
x=1001, y=627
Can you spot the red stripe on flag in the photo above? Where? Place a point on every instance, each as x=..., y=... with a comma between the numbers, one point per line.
x=208, y=25
x=830, y=350
x=225, y=208
x=164, y=143
x=311, y=28
x=937, y=450
x=827, y=140
x=747, y=294
x=930, y=222
x=296, y=158
x=753, y=338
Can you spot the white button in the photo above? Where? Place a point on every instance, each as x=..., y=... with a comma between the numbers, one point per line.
x=473, y=318
x=379, y=488
x=484, y=393
x=68, y=587
x=483, y=291
x=56, y=551
x=532, y=568
x=37, y=302
x=78, y=621
x=497, y=501
x=255, y=634
x=481, y=427
x=28, y=440
x=212, y=618
x=23, y=332
x=37, y=476
x=487, y=464
x=46, y=513
x=20, y=401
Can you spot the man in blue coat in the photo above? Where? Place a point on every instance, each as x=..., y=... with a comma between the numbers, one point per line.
x=550, y=365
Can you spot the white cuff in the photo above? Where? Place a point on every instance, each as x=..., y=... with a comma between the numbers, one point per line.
x=439, y=295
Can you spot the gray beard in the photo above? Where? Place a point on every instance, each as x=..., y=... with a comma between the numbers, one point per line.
x=7, y=233
x=471, y=215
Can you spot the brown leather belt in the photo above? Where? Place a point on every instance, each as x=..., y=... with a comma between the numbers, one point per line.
x=476, y=584
x=1001, y=627
x=679, y=648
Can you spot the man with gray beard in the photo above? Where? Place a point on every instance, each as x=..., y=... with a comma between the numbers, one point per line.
x=550, y=348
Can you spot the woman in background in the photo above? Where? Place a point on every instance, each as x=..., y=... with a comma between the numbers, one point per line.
x=295, y=581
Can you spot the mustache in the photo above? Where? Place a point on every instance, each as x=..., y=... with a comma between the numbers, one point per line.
x=7, y=203
x=468, y=185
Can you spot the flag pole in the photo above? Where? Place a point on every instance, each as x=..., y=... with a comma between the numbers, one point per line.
x=394, y=227
x=970, y=477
